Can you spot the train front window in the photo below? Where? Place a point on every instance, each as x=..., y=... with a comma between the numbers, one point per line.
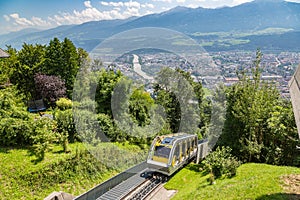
x=162, y=151
x=167, y=140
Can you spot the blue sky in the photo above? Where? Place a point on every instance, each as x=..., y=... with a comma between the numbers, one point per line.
x=19, y=14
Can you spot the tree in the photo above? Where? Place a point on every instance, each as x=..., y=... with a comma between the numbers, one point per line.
x=70, y=64
x=178, y=94
x=5, y=66
x=63, y=59
x=250, y=106
x=21, y=67
x=15, y=121
x=50, y=88
x=280, y=143
x=140, y=104
x=107, y=80
x=53, y=58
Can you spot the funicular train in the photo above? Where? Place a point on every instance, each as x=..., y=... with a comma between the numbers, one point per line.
x=168, y=153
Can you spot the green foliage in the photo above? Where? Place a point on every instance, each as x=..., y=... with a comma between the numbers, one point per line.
x=280, y=145
x=65, y=124
x=255, y=128
x=140, y=104
x=61, y=59
x=64, y=104
x=108, y=128
x=87, y=126
x=107, y=80
x=43, y=136
x=25, y=64
x=221, y=163
x=75, y=172
x=18, y=127
x=173, y=88
x=4, y=72
x=82, y=163
x=15, y=121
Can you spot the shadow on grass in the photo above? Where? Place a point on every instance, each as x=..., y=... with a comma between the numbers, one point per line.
x=58, y=151
x=8, y=149
x=32, y=153
x=197, y=168
x=4, y=150
x=193, y=167
x=280, y=196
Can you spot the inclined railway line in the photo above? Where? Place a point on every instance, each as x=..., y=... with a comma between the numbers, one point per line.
x=149, y=187
x=137, y=187
x=142, y=180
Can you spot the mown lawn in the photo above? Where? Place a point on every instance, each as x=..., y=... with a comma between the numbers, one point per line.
x=21, y=175
x=253, y=181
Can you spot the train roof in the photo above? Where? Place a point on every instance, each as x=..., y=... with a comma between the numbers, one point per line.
x=169, y=139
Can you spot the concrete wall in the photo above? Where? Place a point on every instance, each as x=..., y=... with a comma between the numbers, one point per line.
x=109, y=184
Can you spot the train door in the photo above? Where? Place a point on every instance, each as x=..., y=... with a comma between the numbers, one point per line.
x=176, y=155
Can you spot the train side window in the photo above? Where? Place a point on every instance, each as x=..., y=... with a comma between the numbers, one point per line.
x=184, y=149
x=188, y=144
x=176, y=153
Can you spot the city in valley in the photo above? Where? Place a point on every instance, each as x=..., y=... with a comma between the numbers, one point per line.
x=276, y=68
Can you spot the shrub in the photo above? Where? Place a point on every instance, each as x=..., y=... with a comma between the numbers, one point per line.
x=65, y=123
x=43, y=136
x=107, y=126
x=50, y=88
x=15, y=121
x=64, y=104
x=221, y=163
x=81, y=164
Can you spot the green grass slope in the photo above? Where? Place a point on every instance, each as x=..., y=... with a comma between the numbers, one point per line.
x=23, y=177
x=253, y=181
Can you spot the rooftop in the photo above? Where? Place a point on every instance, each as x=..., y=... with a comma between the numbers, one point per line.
x=3, y=54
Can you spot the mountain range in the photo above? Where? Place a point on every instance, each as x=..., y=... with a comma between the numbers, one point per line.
x=269, y=24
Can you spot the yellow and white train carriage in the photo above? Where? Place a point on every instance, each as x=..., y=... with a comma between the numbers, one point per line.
x=170, y=152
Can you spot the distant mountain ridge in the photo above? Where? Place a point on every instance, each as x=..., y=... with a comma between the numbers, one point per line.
x=251, y=16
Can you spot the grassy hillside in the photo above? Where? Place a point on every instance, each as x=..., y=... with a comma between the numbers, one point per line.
x=253, y=181
x=23, y=177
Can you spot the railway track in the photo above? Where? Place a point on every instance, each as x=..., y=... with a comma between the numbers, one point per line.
x=137, y=187
x=147, y=188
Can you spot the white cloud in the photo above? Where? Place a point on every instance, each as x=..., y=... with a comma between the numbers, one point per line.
x=88, y=4
x=236, y=2
x=115, y=4
x=132, y=4
x=40, y=22
x=128, y=4
x=180, y=1
x=21, y=20
x=132, y=11
x=192, y=6
x=147, y=5
x=104, y=3
x=121, y=10
x=165, y=1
